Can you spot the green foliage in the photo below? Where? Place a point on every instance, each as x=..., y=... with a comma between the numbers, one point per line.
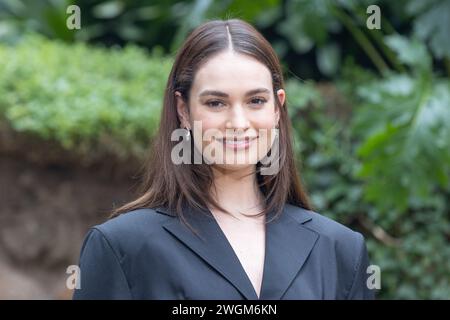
x=324, y=144
x=410, y=245
x=48, y=17
x=86, y=99
x=404, y=123
x=432, y=23
x=310, y=23
x=319, y=26
x=417, y=266
x=329, y=29
x=385, y=169
x=402, y=126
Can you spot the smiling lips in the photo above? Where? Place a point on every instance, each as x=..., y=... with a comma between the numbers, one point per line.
x=238, y=143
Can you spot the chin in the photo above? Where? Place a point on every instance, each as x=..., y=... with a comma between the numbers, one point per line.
x=234, y=167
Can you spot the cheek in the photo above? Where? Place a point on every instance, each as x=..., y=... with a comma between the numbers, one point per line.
x=264, y=120
x=204, y=122
x=267, y=123
x=264, y=125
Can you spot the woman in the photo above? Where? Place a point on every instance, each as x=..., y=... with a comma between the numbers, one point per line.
x=222, y=214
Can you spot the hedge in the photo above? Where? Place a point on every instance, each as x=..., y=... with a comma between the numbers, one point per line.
x=84, y=98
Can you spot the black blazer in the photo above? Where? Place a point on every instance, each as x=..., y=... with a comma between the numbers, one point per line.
x=150, y=254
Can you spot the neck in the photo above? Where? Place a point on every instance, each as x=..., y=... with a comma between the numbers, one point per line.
x=238, y=191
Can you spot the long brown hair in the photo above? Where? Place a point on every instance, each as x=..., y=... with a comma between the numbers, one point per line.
x=173, y=186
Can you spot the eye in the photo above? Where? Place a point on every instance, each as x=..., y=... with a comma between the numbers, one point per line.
x=259, y=101
x=214, y=104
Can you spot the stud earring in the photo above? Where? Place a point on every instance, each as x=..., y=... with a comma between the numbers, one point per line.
x=188, y=134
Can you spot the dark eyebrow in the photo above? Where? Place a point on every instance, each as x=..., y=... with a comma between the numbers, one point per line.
x=224, y=95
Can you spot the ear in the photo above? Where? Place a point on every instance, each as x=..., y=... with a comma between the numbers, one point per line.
x=182, y=110
x=281, y=95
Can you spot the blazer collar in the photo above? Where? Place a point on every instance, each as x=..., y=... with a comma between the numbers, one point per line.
x=288, y=245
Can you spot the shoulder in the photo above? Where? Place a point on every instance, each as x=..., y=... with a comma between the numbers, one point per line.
x=133, y=221
x=129, y=230
x=325, y=227
x=346, y=245
x=107, y=248
x=342, y=247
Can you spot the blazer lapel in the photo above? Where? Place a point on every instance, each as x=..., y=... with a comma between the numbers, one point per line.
x=213, y=247
x=288, y=245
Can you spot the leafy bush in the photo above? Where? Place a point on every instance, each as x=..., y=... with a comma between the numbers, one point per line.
x=405, y=124
x=384, y=170
x=87, y=99
x=325, y=32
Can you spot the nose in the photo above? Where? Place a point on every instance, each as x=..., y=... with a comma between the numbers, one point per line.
x=237, y=119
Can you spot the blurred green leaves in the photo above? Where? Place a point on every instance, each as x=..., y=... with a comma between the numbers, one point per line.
x=108, y=10
x=411, y=52
x=404, y=123
x=48, y=17
x=384, y=168
x=431, y=24
x=86, y=99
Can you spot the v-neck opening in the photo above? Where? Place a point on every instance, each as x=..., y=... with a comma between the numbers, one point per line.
x=228, y=243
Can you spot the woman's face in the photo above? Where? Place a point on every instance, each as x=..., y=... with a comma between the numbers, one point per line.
x=232, y=98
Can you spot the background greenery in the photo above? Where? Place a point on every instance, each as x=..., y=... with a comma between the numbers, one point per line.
x=372, y=123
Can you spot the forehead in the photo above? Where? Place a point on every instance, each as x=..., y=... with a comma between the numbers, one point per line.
x=232, y=72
